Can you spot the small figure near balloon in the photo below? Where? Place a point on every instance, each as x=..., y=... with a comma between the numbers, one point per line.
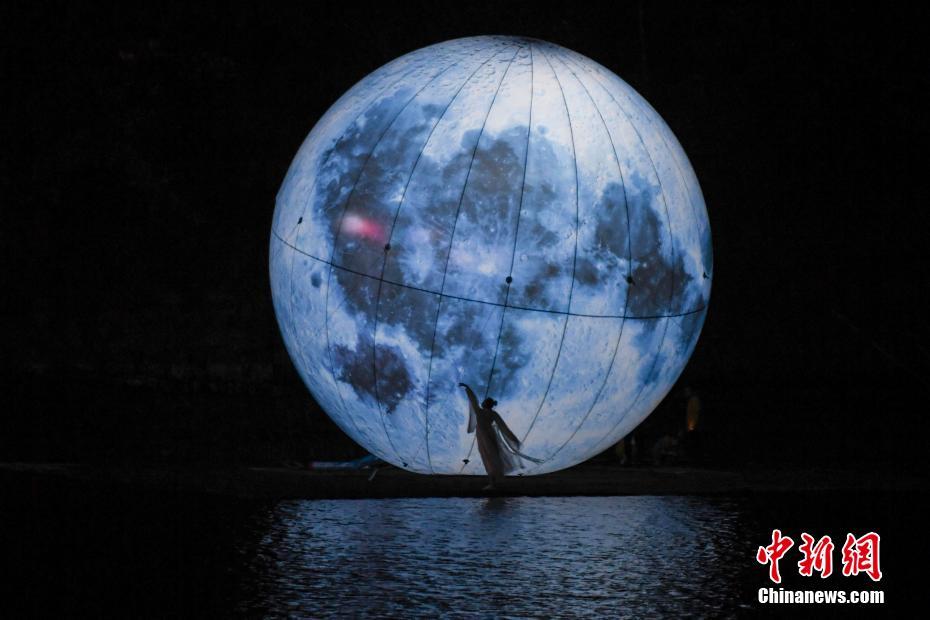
x=497, y=444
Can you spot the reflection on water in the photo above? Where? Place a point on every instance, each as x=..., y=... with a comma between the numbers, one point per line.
x=498, y=557
x=74, y=550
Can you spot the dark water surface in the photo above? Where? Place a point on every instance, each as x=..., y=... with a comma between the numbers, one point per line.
x=99, y=552
x=519, y=557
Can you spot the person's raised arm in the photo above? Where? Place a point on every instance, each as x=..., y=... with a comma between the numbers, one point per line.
x=471, y=396
x=473, y=409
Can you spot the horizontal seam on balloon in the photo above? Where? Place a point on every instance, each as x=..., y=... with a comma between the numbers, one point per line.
x=480, y=301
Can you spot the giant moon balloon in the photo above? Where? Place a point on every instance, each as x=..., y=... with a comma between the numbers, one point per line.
x=498, y=211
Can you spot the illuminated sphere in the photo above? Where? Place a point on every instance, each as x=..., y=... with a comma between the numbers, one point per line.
x=498, y=211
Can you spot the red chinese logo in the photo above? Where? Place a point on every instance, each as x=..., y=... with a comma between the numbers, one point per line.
x=817, y=557
x=773, y=553
x=860, y=555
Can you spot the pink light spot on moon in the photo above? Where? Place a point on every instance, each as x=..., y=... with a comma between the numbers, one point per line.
x=363, y=228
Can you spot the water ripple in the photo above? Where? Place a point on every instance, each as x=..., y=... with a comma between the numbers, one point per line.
x=495, y=558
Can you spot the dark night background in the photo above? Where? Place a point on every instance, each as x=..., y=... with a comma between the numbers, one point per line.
x=142, y=151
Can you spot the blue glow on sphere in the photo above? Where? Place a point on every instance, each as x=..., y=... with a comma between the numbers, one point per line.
x=502, y=212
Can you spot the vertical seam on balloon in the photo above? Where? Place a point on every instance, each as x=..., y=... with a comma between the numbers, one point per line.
x=272, y=258
x=664, y=333
x=400, y=204
x=290, y=297
x=681, y=174
x=361, y=113
x=642, y=389
x=458, y=209
x=629, y=243
x=655, y=169
x=500, y=333
x=571, y=288
x=672, y=246
x=290, y=300
x=339, y=139
x=661, y=133
x=329, y=279
x=630, y=408
x=516, y=229
x=285, y=245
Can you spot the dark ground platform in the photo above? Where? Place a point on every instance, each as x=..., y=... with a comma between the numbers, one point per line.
x=269, y=483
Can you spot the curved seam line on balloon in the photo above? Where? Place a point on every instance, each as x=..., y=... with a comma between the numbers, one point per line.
x=690, y=200
x=516, y=229
x=361, y=113
x=571, y=288
x=440, y=296
x=655, y=169
x=313, y=391
x=490, y=303
x=336, y=243
x=681, y=175
x=699, y=229
x=452, y=239
x=309, y=198
x=629, y=273
x=400, y=204
x=367, y=108
x=500, y=332
x=272, y=258
x=630, y=408
x=313, y=394
x=345, y=210
x=334, y=141
x=671, y=292
x=642, y=388
x=671, y=243
x=296, y=231
x=328, y=288
x=339, y=139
